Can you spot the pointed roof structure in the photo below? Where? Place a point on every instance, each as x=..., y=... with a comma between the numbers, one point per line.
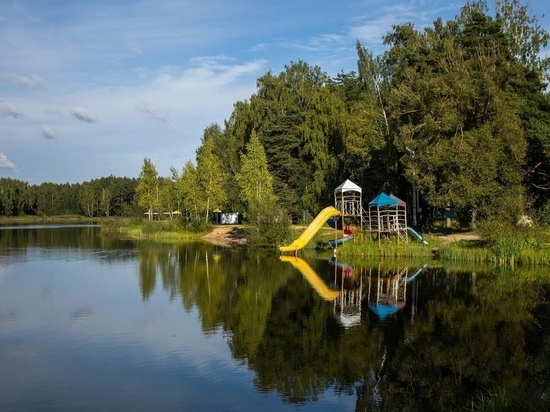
x=400, y=203
x=383, y=200
x=347, y=186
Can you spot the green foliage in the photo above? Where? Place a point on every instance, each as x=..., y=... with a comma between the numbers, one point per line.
x=197, y=226
x=210, y=174
x=544, y=214
x=268, y=225
x=255, y=181
x=387, y=248
x=300, y=120
x=190, y=191
x=502, y=400
x=459, y=109
x=147, y=190
x=465, y=251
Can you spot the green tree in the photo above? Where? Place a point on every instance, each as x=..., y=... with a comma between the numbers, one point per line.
x=171, y=192
x=269, y=225
x=228, y=147
x=210, y=174
x=191, y=193
x=255, y=181
x=87, y=197
x=15, y=197
x=458, y=126
x=148, y=187
x=48, y=199
x=527, y=39
x=105, y=201
x=367, y=157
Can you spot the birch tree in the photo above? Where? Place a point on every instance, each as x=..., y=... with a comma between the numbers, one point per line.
x=210, y=174
x=147, y=188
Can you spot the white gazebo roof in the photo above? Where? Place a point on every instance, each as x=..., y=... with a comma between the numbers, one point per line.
x=347, y=186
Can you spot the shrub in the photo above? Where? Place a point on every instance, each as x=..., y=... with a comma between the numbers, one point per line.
x=268, y=226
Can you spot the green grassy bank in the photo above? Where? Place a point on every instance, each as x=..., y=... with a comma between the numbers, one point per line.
x=522, y=248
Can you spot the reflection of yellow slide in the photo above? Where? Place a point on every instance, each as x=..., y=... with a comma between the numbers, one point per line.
x=320, y=287
x=310, y=231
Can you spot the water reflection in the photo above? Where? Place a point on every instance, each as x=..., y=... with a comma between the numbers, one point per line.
x=313, y=332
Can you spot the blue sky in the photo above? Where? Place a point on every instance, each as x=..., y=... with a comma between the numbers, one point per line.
x=90, y=88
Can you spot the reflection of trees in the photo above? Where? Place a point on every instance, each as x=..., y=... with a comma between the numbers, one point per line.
x=469, y=333
x=459, y=346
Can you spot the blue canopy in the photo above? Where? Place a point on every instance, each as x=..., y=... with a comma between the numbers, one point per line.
x=383, y=311
x=383, y=200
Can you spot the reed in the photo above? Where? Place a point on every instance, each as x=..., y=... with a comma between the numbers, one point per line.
x=502, y=251
x=465, y=251
x=527, y=400
x=386, y=248
x=519, y=250
x=158, y=231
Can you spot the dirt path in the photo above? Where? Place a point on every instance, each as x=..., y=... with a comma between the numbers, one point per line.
x=455, y=237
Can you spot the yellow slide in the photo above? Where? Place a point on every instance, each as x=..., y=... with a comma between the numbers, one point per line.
x=314, y=280
x=310, y=231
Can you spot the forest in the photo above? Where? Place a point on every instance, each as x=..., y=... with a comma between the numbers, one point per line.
x=458, y=112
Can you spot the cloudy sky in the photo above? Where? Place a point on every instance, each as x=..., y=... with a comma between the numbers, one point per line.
x=90, y=88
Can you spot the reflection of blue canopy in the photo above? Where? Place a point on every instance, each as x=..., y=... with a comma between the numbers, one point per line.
x=383, y=200
x=383, y=311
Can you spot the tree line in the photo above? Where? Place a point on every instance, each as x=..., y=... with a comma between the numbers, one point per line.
x=107, y=196
x=458, y=112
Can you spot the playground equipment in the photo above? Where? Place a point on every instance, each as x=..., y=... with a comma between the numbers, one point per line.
x=386, y=215
x=311, y=230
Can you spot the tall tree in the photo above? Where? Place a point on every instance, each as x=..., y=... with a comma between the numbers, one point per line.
x=255, y=181
x=228, y=147
x=105, y=201
x=148, y=187
x=191, y=192
x=209, y=169
x=300, y=120
x=527, y=39
x=458, y=126
x=87, y=198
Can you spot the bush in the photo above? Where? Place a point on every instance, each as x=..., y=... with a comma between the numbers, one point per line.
x=268, y=226
x=197, y=225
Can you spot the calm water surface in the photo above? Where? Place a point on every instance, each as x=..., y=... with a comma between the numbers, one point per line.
x=93, y=323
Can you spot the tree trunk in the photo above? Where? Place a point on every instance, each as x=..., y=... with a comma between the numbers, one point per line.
x=473, y=220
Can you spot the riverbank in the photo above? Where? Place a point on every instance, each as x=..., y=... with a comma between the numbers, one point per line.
x=226, y=236
x=234, y=235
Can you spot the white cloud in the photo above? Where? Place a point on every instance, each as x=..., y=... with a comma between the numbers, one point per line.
x=155, y=112
x=370, y=29
x=83, y=115
x=22, y=81
x=9, y=110
x=48, y=133
x=6, y=163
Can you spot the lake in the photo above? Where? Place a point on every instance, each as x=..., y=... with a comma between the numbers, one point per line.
x=97, y=323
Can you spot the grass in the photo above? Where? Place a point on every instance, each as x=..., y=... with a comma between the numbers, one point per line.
x=161, y=231
x=522, y=248
x=502, y=400
x=473, y=251
x=28, y=220
x=363, y=246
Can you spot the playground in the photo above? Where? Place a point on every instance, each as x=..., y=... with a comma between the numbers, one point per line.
x=385, y=216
